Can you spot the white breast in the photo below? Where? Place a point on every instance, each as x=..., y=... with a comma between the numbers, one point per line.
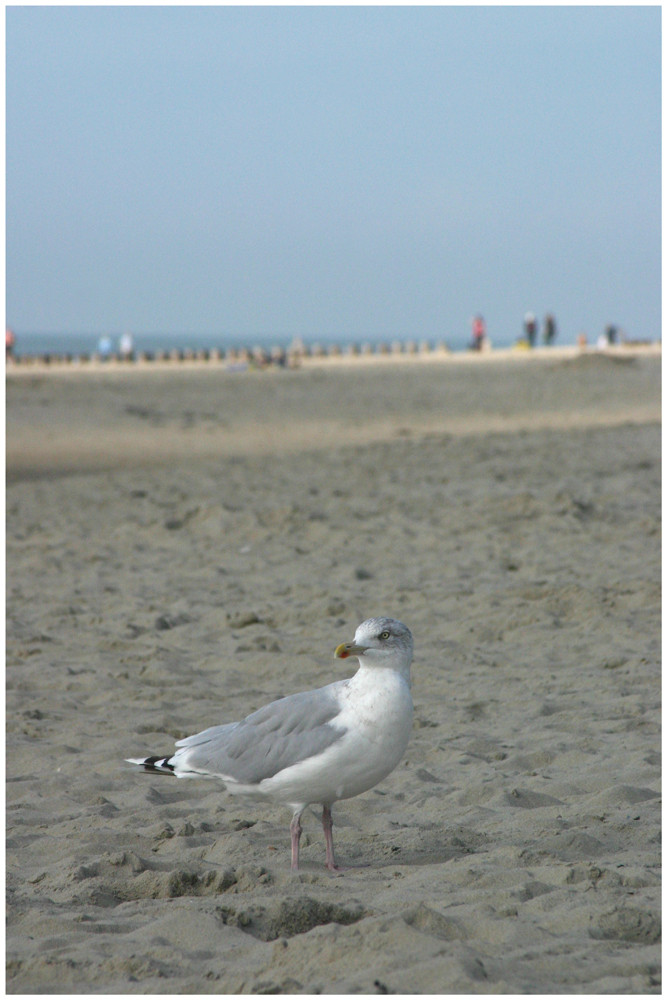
x=377, y=714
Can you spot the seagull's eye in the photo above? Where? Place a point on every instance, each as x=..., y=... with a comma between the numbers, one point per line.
x=385, y=634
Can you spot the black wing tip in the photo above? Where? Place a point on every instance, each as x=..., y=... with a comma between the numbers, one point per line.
x=155, y=765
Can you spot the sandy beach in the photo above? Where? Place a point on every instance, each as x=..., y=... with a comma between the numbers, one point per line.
x=186, y=544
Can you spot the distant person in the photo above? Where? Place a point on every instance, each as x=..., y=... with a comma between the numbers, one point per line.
x=611, y=333
x=126, y=346
x=530, y=328
x=10, y=343
x=104, y=347
x=478, y=333
x=549, y=329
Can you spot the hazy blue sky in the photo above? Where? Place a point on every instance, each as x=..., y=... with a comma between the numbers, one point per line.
x=352, y=171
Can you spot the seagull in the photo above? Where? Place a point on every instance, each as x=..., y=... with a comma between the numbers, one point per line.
x=318, y=746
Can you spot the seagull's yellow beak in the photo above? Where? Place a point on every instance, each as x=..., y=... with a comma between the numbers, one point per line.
x=349, y=649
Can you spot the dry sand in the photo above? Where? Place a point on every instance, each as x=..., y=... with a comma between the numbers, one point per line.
x=184, y=546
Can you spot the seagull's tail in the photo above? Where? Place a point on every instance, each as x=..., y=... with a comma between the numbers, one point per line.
x=156, y=765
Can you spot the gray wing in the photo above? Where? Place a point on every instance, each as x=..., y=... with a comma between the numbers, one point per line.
x=268, y=741
x=207, y=735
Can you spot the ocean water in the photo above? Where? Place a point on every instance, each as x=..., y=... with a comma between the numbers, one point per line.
x=59, y=344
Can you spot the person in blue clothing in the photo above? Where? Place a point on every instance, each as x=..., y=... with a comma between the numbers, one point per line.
x=104, y=347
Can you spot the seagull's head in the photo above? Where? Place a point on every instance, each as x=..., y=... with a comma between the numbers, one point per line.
x=380, y=642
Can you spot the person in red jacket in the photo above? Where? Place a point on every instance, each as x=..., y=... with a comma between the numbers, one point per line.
x=478, y=333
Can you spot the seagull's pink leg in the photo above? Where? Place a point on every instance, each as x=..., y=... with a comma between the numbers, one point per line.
x=295, y=831
x=327, y=824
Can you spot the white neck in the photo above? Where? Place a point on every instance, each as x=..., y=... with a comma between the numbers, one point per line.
x=396, y=663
